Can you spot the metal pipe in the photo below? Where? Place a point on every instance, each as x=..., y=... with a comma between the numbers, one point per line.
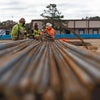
x=50, y=70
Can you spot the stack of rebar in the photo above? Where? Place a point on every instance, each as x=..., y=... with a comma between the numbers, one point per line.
x=48, y=70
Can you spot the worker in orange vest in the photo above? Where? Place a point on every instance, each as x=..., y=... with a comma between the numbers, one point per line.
x=50, y=30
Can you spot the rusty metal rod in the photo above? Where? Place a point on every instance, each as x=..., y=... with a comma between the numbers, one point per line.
x=7, y=45
x=48, y=70
x=68, y=88
x=10, y=64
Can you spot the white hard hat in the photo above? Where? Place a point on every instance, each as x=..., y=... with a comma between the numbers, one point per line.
x=49, y=24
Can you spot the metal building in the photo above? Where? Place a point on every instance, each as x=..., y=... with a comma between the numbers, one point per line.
x=81, y=26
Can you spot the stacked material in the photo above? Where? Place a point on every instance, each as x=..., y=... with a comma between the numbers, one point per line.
x=48, y=70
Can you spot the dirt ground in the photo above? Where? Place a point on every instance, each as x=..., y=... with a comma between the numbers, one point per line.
x=92, y=44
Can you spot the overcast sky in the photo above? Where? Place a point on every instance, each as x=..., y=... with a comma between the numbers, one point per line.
x=31, y=9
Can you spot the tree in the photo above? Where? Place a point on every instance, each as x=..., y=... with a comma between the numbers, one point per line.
x=94, y=18
x=53, y=15
x=91, y=18
x=52, y=12
x=7, y=24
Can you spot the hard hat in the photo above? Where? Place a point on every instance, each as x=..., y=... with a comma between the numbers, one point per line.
x=49, y=24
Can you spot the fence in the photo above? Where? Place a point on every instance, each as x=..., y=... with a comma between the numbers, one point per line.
x=74, y=36
x=85, y=36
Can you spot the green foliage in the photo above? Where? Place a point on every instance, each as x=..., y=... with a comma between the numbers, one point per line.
x=91, y=18
x=94, y=18
x=7, y=24
x=52, y=15
x=52, y=12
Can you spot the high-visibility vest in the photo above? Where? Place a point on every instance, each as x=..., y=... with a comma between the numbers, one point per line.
x=36, y=32
x=50, y=31
x=17, y=30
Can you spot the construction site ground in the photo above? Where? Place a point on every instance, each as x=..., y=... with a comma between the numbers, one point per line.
x=92, y=44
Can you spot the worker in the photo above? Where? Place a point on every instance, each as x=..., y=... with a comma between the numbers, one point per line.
x=49, y=30
x=18, y=31
x=35, y=31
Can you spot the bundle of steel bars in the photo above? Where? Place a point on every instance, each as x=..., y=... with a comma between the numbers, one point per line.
x=48, y=70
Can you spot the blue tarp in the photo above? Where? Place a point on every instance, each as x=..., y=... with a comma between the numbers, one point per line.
x=86, y=36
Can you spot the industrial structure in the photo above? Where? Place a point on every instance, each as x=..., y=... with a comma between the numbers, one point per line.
x=80, y=26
